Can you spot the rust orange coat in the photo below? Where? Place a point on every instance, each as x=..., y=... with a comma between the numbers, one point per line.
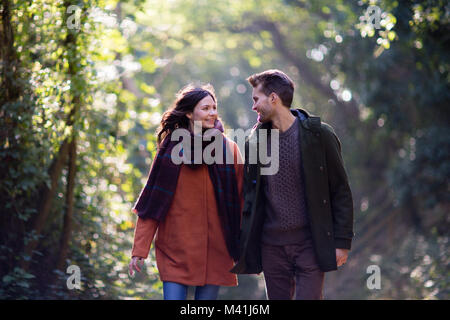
x=190, y=246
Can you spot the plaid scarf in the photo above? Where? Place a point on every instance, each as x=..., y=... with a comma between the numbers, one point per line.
x=156, y=197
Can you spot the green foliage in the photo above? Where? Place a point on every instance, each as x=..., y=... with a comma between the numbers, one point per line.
x=60, y=66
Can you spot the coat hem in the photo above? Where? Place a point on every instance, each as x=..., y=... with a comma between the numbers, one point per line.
x=194, y=283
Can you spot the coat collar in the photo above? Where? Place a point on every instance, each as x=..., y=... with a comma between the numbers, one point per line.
x=305, y=118
x=300, y=113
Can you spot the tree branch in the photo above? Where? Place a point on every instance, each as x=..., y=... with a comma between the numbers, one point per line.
x=350, y=109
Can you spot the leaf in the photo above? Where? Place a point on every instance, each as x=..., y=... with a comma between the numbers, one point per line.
x=7, y=279
x=148, y=64
x=29, y=276
x=147, y=89
x=23, y=284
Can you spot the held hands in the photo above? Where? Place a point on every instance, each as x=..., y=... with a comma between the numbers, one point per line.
x=341, y=256
x=134, y=265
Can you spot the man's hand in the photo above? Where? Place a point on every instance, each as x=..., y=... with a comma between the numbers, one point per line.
x=341, y=256
x=134, y=265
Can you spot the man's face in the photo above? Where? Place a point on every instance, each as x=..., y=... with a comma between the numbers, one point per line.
x=262, y=105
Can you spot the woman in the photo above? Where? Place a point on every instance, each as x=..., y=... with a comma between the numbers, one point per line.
x=194, y=208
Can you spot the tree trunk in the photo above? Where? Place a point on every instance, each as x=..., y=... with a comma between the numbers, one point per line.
x=67, y=226
x=47, y=196
x=10, y=91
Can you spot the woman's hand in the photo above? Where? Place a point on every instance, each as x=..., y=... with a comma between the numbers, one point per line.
x=134, y=265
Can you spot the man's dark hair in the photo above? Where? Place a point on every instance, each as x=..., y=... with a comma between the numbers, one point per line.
x=274, y=81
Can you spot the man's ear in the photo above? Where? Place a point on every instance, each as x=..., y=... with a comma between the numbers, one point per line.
x=189, y=115
x=273, y=97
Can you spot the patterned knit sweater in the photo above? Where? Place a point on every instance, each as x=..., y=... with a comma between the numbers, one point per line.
x=285, y=207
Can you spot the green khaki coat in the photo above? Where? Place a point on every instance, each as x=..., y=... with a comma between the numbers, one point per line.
x=328, y=195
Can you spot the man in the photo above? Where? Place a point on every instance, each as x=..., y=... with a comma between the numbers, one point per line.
x=297, y=223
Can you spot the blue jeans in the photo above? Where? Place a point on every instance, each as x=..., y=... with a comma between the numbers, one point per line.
x=177, y=291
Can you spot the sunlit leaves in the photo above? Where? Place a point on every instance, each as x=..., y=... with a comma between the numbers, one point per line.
x=148, y=64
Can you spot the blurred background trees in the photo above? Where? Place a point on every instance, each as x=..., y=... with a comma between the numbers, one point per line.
x=83, y=89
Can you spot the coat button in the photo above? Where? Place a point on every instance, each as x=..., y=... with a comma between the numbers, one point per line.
x=321, y=168
x=328, y=233
x=324, y=201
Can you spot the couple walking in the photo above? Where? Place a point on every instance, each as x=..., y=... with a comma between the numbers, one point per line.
x=214, y=221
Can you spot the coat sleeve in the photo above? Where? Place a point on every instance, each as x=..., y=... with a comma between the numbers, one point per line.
x=144, y=233
x=340, y=193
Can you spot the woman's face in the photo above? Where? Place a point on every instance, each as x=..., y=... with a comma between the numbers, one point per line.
x=205, y=111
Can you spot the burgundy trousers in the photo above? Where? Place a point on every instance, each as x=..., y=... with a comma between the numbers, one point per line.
x=290, y=269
